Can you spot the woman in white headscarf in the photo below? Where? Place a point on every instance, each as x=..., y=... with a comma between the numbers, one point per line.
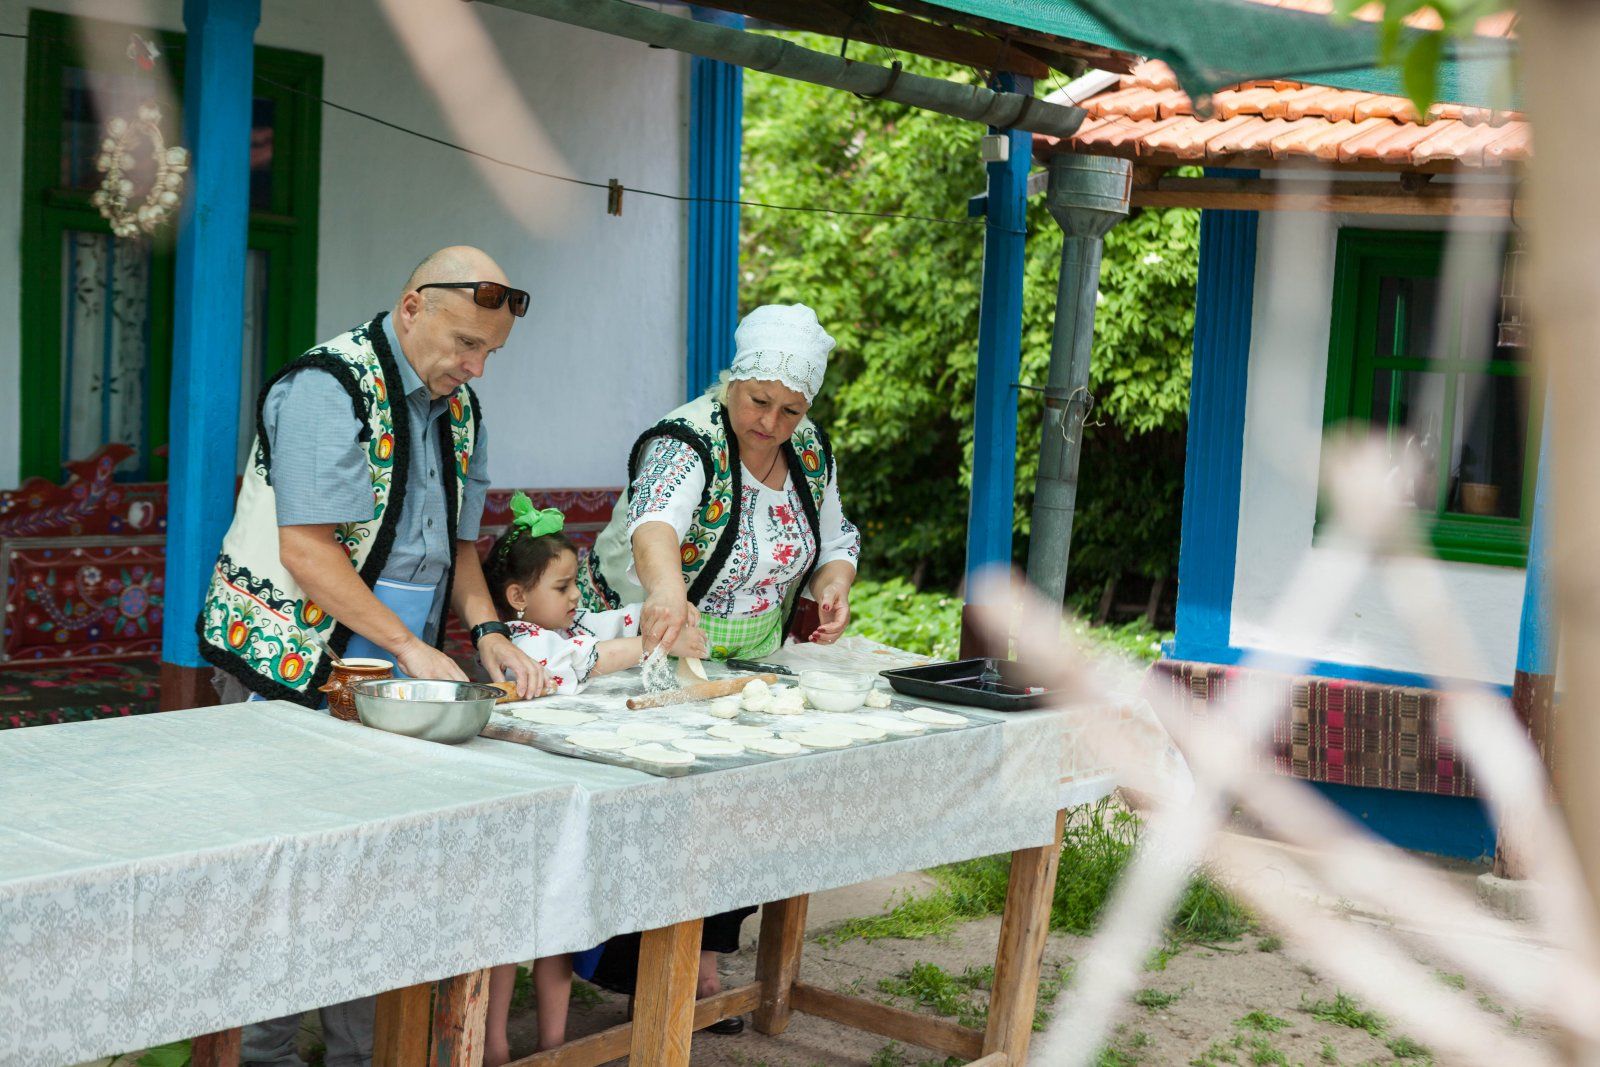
x=732, y=507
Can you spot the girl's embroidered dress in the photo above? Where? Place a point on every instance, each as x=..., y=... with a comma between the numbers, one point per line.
x=570, y=654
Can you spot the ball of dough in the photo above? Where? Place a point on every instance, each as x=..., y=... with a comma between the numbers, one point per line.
x=724, y=708
x=877, y=699
x=756, y=689
x=789, y=702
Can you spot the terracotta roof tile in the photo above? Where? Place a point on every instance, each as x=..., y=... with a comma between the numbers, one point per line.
x=1145, y=116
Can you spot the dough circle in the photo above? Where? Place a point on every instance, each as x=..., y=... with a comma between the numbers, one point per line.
x=934, y=717
x=857, y=731
x=650, y=731
x=706, y=746
x=898, y=725
x=599, y=740
x=669, y=757
x=819, y=739
x=529, y=711
x=732, y=731
x=773, y=746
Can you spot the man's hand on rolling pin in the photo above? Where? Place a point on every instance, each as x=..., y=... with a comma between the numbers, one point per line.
x=505, y=661
x=663, y=619
x=834, y=607
x=418, y=659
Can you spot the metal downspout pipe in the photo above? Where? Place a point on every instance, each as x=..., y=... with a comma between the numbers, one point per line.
x=1087, y=195
x=771, y=55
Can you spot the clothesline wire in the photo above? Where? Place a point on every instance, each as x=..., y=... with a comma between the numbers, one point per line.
x=606, y=185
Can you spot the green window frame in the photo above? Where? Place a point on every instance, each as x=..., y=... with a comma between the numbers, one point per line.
x=1395, y=324
x=284, y=227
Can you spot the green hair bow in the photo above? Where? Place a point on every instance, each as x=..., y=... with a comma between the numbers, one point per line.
x=535, y=522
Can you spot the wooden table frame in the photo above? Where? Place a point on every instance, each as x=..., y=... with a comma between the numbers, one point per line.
x=441, y=1024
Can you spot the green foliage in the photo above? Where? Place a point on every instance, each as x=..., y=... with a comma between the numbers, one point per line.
x=1270, y=943
x=1154, y=999
x=931, y=986
x=176, y=1054
x=901, y=297
x=1404, y=1048
x=1454, y=981
x=1345, y=1010
x=1214, y=1056
x=1327, y=1053
x=1263, y=1021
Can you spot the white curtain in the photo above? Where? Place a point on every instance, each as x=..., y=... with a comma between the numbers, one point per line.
x=105, y=345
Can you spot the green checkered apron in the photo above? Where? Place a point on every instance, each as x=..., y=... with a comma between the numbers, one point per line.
x=749, y=638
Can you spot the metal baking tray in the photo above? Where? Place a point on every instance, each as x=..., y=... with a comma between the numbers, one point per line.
x=963, y=681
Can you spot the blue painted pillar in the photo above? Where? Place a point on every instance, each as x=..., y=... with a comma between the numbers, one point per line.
x=716, y=131
x=1536, y=641
x=990, y=515
x=208, y=338
x=1214, y=457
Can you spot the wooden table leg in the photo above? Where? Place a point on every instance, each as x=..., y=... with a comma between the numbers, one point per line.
x=783, y=935
x=400, y=1027
x=460, y=1009
x=663, y=1006
x=220, y=1049
x=1023, y=930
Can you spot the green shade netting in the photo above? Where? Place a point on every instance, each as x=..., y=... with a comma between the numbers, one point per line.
x=1211, y=44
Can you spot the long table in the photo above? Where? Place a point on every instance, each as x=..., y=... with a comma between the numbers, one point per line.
x=185, y=873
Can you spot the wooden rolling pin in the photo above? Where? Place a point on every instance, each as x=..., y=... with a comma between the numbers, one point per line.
x=721, y=687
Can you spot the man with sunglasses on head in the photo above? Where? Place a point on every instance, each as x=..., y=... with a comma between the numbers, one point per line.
x=355, y=528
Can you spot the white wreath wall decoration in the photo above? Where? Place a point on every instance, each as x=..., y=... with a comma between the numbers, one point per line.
x=116, y=189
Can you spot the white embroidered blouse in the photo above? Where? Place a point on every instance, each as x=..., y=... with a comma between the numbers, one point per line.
x=774, y=545
x=570, y=654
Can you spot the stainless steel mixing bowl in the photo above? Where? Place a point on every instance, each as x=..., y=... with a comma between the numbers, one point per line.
x=448, y=712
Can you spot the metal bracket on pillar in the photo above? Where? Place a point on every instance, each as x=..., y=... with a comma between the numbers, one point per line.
x=1087, y=196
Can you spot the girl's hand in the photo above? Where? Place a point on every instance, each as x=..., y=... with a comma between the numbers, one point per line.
x=506, y=662
x=663, y=619
x=691, y=642
x=835, y=610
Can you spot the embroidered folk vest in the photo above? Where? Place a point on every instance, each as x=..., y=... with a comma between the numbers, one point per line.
x=257, y=624
x=702, y=424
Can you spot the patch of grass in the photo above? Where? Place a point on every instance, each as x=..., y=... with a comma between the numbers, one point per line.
x=1110, y=1057
x=1263, y=1053
x=522, y=989
x=1487, y=1003
x=1270, y=943
x=931, y=986
x=1207, y=912
x=887, y=1056
x=1215, y=1056
x=1406, y=1049
x=1159, y=958
x=1454, y=981
x=1050, y=987
x=585, y=996
x=1154, y=998
x=1260, y=1020
x=1345, y=1010
x=1327, y=1053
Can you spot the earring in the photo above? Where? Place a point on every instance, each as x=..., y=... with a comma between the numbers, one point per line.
x=519, y=614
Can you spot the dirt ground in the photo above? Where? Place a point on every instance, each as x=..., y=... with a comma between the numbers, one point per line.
x=1192, y=1010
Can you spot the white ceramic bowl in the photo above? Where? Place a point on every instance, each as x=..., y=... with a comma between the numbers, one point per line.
x=835, y=690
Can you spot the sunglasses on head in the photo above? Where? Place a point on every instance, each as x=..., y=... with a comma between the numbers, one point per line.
x=488, y=294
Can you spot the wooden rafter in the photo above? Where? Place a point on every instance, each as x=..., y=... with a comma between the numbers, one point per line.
x=871, y=25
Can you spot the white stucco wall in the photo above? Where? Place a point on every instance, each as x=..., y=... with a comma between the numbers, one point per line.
x=1282, y=453
x=600, y=354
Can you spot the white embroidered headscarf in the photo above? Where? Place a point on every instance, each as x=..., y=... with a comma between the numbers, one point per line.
x=782, y=343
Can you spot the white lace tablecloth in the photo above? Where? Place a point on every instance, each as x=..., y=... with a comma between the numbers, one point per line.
x=168, y=875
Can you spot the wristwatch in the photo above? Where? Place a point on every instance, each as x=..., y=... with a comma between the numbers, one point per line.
x=493, y=626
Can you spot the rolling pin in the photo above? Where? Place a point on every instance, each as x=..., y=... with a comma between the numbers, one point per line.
x=699, y=691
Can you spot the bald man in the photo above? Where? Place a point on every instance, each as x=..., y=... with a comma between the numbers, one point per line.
x=356, y=523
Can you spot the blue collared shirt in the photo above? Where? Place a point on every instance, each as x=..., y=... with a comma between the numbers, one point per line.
x=320, y=472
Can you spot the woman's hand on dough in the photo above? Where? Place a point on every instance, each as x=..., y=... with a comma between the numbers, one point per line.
x=691, y=642
x=664, y=618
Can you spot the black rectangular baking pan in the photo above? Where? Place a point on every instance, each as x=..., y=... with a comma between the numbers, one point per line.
x=963, y=681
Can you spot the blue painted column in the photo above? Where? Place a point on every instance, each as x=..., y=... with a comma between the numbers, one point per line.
x=716, y=132
x=1536, y=640
x=208, y=338
x=1214, y=457
x=990, y=515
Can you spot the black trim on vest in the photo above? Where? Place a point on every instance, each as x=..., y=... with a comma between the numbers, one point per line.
x=808, y=508
x=447, y=450
x=309, y=697
x=730, y=533
x=316, y=359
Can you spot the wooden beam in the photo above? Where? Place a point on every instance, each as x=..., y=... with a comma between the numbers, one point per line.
x=460, y=1011
x=614, y=1043
x=893, y=31
x=220, y=1049
x=663, y=1006
x=929, y=1031
x=783, y=935
x=400, y=1027
x=1024, y=926
x=1362, y=198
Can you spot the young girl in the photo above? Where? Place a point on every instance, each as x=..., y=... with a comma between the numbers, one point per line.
x=532, y=572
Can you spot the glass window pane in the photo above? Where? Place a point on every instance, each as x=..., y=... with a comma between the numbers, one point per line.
x=105, y=346
x=1408, y=409
x=1406, y=307
x=263, y=113
x=90, y=98
x=1487, y=456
